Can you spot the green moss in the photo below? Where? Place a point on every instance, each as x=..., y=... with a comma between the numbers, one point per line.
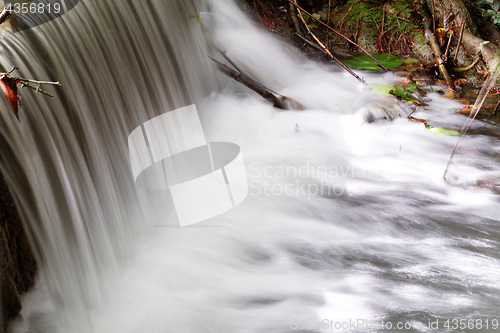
x=367, y=18
x=418, y=38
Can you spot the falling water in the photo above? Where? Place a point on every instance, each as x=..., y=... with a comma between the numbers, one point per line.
x=343, y=221
x=120, y=64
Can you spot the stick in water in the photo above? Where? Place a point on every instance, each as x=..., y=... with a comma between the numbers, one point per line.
x=488, y=84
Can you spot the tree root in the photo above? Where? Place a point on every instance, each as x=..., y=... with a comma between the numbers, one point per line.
x=467, y=68
x=490, y=52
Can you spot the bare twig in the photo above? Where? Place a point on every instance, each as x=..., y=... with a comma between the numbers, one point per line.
x=433, y=18
x=25, y=82
x=311, y=44
x=448, y=46
x=293, y=13
x=328, y=21
x=230, y=61
x=4, y=15
x=326, y=50
x=339, y=34
x=13, y=69
x=459, y=41
x=356, y=34
x=496, y=108
x=323, y=47
x=402, y=18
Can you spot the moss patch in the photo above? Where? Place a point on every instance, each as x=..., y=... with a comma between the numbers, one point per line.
x=392, y=26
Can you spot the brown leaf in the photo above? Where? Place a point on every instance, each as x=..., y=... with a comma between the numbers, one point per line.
x=418, y=120
x=9, y=87
x=440, y=34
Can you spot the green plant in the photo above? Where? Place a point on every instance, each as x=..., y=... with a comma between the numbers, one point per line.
x=307, y=18
x=495, y=4
x=365, y=62
x=493, y=13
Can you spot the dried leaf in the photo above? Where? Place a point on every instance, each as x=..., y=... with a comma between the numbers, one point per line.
x=9, y=87
x=440, y=34
x=418, y=120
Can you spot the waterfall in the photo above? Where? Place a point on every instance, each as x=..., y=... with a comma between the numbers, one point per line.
x=120, y=63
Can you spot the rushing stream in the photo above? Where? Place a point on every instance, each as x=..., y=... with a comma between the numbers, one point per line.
x=346, y=225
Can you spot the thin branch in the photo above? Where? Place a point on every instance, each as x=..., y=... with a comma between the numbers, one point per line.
x=311, y=44
x=326, y=50
x=323, y=47
x=447, y=47
x=339, y=34
x=13, y=69
x=25, y=84
x=488, y=84
x=433, y=19
x=230, y=61
x=4, y=15
x=38, y=82
x=328, y=21
x=496, y=108
x=293, y=13
x=459, y=41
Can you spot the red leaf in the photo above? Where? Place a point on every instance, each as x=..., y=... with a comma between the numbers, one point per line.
x=9, y=87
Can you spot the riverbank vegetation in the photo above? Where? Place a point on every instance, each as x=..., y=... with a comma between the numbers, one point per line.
x=467, y=38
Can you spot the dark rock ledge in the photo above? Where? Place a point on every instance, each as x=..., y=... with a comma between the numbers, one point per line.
x=17, y=263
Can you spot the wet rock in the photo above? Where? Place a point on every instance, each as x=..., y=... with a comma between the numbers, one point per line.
x=17, y=262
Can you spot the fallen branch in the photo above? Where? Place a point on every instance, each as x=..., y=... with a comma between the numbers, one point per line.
x=429, y=35
x=281, y=102
x=339, y=34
